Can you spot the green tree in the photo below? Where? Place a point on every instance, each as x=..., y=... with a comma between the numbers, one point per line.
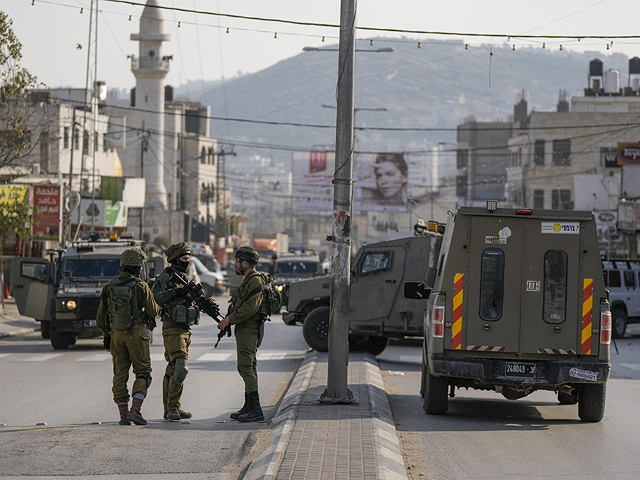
x=16, y=112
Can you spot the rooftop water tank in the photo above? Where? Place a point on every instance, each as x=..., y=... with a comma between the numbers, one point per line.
x=596, y=68
x=612, y=82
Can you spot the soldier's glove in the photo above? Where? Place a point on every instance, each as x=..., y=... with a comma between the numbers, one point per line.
x=181, y=292
x=106, y=342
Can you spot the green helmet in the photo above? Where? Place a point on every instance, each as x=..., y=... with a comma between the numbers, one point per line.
x=249, y=254
x=133, y=257
x=176, y=250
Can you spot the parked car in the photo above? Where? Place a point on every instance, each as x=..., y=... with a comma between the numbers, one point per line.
x=214, y=283
x=622, y=278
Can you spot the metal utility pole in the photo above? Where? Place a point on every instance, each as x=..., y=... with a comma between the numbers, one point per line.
x=337, y=391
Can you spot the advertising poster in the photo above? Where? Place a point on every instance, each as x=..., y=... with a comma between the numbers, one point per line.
x=12, y=193
x=46, y=214
x=312, y=175
x=101, y=213
x=381, y=182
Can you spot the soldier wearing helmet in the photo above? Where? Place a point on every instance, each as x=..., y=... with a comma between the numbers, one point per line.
x=179, y=312
x=249, y=329
x=127, y=308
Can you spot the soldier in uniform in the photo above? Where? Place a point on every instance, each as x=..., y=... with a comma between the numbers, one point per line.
x=126, y=310
x=249, y=327
x=178, y=314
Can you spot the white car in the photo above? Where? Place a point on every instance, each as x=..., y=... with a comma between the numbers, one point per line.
x=214, y=283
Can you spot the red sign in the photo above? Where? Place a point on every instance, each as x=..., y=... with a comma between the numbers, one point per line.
x=46, y=215
x=317, y=162
x=628, y=153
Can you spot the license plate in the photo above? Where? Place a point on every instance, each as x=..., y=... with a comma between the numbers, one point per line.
x=90, y=323
x=514, y=369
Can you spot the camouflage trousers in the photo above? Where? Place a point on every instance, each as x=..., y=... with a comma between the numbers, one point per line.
x=176, y=345
x=127, y=349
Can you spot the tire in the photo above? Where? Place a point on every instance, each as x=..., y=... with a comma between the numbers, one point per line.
x=436, y=401
x=315, y=329
x=591, y=402
x=370, y=344
x=567, y=399
x=208, y=291
x=619, y=320
x=59, y=340
x=45, y=329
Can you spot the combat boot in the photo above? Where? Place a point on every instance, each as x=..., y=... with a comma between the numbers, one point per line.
x=254, y=414
x=173, y=415
x=134, y=414
x=124, y=411
x=245, y=408
x=181, y=413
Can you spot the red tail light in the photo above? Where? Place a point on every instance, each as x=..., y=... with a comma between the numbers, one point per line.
x=437, y=317
x=523, y=211
x=605, y=328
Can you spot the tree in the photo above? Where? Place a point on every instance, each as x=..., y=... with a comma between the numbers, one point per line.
x=16, y=112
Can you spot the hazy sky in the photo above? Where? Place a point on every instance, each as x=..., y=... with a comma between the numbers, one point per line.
x=51, y=31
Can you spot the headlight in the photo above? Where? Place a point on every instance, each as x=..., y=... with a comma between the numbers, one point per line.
x=70, y=304
x=279, y=287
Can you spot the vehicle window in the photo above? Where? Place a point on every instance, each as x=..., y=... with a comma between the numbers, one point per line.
x=93, y=267
x=296, y=267
x=375, y=261
x=200, y=268
x=262, y=267
x=555, y=286
x=629, y=279
x=612, y=278
x=37, y=271
x=492, y=284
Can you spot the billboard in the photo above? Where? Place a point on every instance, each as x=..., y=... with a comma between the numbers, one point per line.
x=101, y=213
x=47, y=200
x=380, y=181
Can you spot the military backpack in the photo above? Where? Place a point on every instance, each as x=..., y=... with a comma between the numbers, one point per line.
x=123, y=304
x=272, y=300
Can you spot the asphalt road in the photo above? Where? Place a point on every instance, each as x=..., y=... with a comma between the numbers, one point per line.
x=484, y=435
x=59, y=417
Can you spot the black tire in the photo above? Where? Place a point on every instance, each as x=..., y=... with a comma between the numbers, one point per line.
x=619, y=321
x=369, y=343
x=436, y=401
x=59, y=340
x=567, y=399
x=315, y=329
x=45, y=329
x=591, y=402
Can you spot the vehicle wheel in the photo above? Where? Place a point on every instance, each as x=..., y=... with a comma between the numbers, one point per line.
x=208, y=291
x=436, y=401
x=369, y=343
x=591, y=402
x=567, y=399
x=315, y=329
x=59, y=340
x=619, y=320
x=45, y=329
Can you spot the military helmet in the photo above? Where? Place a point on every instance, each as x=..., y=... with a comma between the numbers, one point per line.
x=249, y=254
x=133, y=257
x=176, y=250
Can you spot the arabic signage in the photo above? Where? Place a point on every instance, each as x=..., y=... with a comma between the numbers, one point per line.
x=46, y=215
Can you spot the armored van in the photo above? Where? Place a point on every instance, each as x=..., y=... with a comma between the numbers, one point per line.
x=518, y=304
x=63, y=293
x=622, y=278
x=378, y=308
x=292, y=266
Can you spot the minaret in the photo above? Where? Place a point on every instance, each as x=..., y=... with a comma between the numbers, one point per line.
x=150, y=69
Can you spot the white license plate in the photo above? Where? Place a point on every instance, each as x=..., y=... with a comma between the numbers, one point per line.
x=90, y=323
x=515, y=369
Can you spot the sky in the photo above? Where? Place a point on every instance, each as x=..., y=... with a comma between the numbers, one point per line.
x=55, y=33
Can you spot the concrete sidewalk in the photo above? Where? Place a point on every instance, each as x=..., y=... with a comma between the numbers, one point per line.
x=340, y=441
x=12, y=323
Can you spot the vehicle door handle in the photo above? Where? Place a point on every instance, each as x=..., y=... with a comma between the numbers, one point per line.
x=390, y=280
x=18, y=286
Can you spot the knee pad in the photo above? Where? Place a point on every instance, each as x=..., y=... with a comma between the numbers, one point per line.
x=145, y=376
x=181, y=371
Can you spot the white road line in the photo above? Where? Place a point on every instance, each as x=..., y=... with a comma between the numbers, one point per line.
x=411, y=358
x=213, y=357
x=2, y=355
x=98, y=357
x=271, y=356
x=42, y=358
x=632, y=366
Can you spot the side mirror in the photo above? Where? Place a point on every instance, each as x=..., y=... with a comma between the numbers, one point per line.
x=430, y=276
x=416, y=290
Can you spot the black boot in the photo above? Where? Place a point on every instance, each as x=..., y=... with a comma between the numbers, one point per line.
x=255, y=413
x=245, y=408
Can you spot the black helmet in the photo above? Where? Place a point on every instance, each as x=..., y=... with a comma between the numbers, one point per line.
x=133, y=257
x=249, y=254
x=176, y=250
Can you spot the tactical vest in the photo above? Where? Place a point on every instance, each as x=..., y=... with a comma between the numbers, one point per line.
x=123, y=304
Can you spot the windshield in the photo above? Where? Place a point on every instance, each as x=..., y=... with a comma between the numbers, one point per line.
x=200, y=268
x=92, y=267
x=263, y=267
x=296, y=267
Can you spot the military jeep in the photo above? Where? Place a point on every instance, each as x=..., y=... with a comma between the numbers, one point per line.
x=378, y=308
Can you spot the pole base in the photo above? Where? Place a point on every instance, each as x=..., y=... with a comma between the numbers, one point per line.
x=324, y=398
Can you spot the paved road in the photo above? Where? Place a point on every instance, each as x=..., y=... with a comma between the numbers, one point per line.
x=483, y=435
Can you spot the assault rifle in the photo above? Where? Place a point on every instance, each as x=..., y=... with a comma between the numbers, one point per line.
x=204, y=303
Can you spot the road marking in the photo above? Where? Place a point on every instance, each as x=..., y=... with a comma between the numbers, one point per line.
x=271, y=356
x=42, y=358
x=213, y=357
x=411, y=358
x=2, y=355
x=98, y=357
x=632, y=366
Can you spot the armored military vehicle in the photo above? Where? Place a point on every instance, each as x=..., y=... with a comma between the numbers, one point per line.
x=63, y=293
x=518, y=304
x=378, y=308
x=292, y=266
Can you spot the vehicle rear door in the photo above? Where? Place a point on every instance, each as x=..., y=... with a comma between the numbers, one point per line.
x=33, y=286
